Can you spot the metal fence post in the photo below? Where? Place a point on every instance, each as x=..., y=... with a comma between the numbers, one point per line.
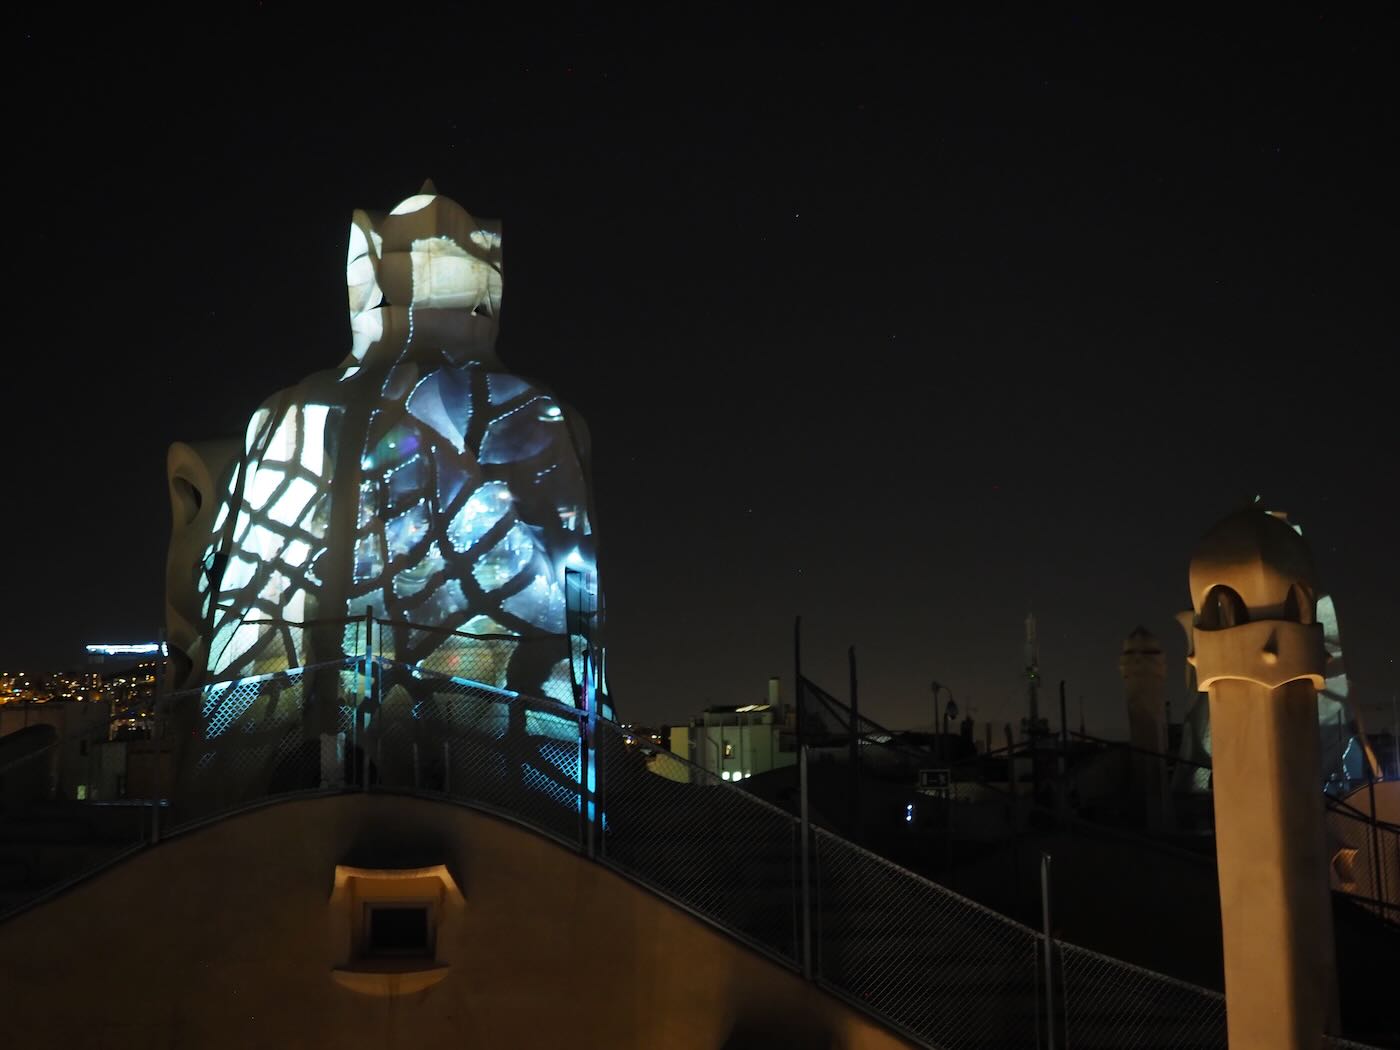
x=585, y=794
x=1049, y=952
x=600, y=786
x=1378, y=890
x=584, y=834
x=366, y=691
x=155, y=821
x=806, y=832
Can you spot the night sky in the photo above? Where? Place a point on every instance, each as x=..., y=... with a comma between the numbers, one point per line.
x=904, y=326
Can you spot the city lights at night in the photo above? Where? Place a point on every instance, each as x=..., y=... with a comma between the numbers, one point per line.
x=707, y=530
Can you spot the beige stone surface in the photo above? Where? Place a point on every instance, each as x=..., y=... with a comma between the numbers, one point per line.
x=1272, y=859
x=1258, y=648
x=228, y=936
x=198, y=476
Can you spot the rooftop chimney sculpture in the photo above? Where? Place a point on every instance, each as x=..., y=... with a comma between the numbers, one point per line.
x=1258, y=650
x=419, y=482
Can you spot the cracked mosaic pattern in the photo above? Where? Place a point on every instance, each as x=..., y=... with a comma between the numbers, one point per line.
x=419, y=483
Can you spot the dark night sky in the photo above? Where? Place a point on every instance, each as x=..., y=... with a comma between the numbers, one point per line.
x=899, y=325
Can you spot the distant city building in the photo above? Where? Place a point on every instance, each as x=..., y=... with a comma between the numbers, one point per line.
x=735, y=742
x=100, y=718
x=79, y=728
x=645, y=736
x=132, y=693
x=42, y=687
x=135, y=676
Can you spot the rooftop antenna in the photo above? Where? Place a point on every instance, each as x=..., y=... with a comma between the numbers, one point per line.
x=1032, y=669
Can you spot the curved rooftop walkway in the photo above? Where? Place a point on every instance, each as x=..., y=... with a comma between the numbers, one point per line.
x=932, y=966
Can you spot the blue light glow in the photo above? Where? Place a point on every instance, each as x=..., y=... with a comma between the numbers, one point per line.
x=467, y=491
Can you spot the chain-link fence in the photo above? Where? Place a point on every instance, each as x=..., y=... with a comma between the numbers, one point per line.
x=935, y=966
x=1109, y=1003
x=1365, y=859
x=30, y=760
x=517, y=756
x=711, y=847
x=247, y=741
x=546, y=666
x=51, y=835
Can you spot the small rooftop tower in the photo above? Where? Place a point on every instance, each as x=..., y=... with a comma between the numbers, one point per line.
x=1258, y=650
x=1143, y=666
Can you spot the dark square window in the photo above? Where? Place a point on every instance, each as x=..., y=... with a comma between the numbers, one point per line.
x=397, y=930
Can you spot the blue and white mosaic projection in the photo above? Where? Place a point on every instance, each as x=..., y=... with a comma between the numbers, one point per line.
x=419, y=481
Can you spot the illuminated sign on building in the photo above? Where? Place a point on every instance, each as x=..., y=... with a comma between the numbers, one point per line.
x=126, y=648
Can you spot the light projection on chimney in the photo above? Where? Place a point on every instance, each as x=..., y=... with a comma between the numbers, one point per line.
x=419, y=482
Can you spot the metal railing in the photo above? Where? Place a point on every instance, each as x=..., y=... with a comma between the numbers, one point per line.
x=939, y=967
x=1111, y=1003
x=1366, y=863
x=41, y=755
x=932, y=965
